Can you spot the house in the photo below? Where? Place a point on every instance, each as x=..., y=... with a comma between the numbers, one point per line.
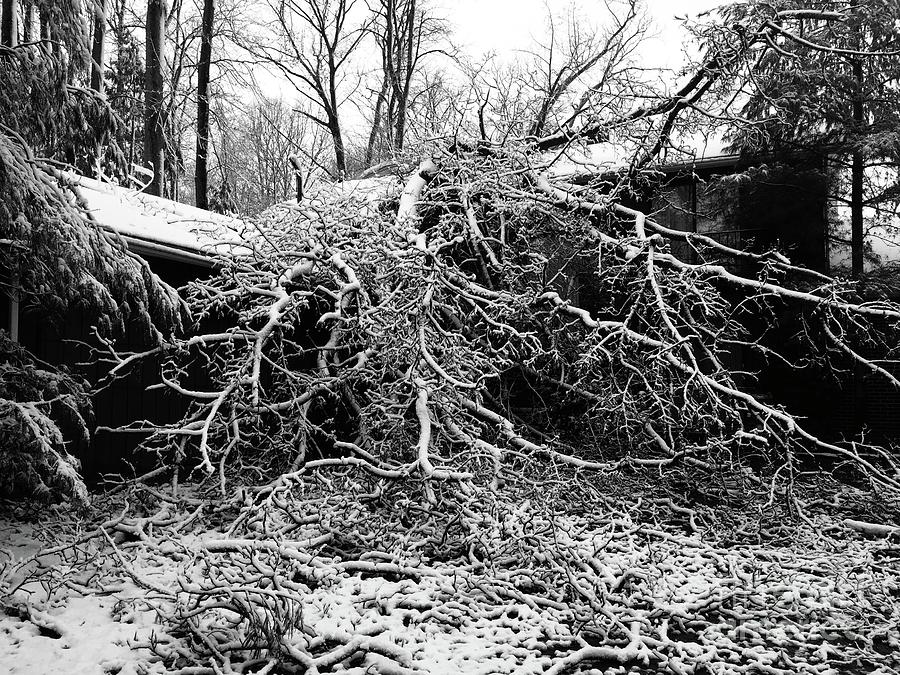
x=758, y=204
x=747, y=203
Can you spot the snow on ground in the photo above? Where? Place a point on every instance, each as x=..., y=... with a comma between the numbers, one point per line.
x=81, y=637
x=48, y=629
x=94, y=613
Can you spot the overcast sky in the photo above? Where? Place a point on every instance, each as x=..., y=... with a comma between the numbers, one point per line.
x=505, y=26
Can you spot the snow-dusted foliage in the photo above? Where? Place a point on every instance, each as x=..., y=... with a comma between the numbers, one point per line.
x=43, y=414
x=58, y=258
x=52, y=253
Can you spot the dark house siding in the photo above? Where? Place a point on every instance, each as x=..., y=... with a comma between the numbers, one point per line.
x=780, y=206
x=127, y=400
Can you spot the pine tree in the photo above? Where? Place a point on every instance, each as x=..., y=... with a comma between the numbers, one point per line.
x=831, y=89
x=53, y=255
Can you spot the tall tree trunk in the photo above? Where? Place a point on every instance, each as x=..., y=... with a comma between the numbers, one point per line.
x=9, y=31
x=857, y=234
x=334, y=120
x=28, y=22
x=376, y=122
x=154, y=107
x=400, y=128
x=403, y=98
x=340, y=156
x=44, y=25
x=201, y=187
x=98, y=49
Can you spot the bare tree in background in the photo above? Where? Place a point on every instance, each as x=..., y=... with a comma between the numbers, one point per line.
x=581, y=72
x=406, y=32
x=310, y=43
x=576, y=54
x=252, y=148
x=437, y=108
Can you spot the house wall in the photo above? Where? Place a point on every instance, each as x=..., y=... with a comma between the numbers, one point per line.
x=783, y=207
x=780, y=207
x=127, y=400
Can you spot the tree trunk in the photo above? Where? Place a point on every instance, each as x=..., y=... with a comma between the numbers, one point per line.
x=857, y=234
x=44, y=25
x=154, y=112
x=340, y=156
x=403, y=98
x=28, y=22
x=376, y=122
x=334, y=121
x=201, y=187
x=98, y=49
x=9, y=32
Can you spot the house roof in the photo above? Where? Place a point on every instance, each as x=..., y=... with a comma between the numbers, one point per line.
x=161, y=227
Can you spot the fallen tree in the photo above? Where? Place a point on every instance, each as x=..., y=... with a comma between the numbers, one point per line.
x=424, y=328
x=403, y=339
x=394, y=366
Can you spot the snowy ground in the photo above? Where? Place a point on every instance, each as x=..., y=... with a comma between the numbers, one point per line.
x=820, y=604
x=78, y=630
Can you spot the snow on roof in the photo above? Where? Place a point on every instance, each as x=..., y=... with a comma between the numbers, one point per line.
x=160, y=224
x=598, y=158
x=362, y=190
x=363, y=194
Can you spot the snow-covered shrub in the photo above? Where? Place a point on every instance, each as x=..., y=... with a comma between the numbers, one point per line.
x=53, y=255
x=44, y=415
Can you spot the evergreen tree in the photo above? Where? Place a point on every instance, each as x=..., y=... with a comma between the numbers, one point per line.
x=830, y=87
x=53, y=254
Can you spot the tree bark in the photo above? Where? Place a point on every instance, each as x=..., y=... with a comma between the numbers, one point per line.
x=334, y=121
x=857, y=234
x=98, y=49
x=201, y=187
x=28, y=22
x=403, y=98
x=154, y=112
x=340, y=155
x=9, y=32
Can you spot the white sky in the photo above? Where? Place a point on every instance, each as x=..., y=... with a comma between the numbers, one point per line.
x=508, y=27
x=505, y=26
